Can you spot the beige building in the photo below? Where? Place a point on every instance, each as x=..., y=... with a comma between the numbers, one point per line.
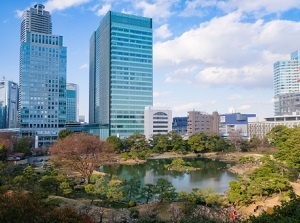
x=202, y=122
x=260, y=129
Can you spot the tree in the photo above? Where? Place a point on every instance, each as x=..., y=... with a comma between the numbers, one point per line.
x=81, y=152
x=24, y=207
x=131, y=187
x=188, y=200
x=198, y=142
x=115, y=142
x=178, y=144
x=288, y=144
x=24, y=146
x=160, y=143
x=3, y=153
x=147, y=192
x=28, y=178
x=137, y=145
x=8, y=140
x=165, y=190
x=64, y=133
x=96, y=187
x=236, y=139
x=278, y=135
x=51, y=183
x=114, y=189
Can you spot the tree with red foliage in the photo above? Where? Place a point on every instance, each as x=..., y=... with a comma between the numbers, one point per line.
x=82, y=153
x=23, y=207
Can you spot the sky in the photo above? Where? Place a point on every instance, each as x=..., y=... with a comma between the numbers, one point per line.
x=208, y=55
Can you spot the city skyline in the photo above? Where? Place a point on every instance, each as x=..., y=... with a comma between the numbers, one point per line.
x=208, y=55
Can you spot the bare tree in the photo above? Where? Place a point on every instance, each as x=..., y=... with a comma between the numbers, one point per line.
x=235, y=136
x=81, y=152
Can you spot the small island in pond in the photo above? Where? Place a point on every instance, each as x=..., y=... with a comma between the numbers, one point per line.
x=178, y=164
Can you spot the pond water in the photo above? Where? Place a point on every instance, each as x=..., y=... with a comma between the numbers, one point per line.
x=213, y=174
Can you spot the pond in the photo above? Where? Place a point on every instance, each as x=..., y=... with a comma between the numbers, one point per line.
x=212, y=174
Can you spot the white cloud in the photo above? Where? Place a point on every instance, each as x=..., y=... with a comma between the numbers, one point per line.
x=158, y=94
x=228, y=52
x=234, y=97
x=163, y=32
x=195, y=7
x=181, y=75
x=53, y=5
x=258, y=6
x=244, y=107
x=102, y=11
x=84, y=66
x=19, y=13
x=159, y=10
x=198, y=106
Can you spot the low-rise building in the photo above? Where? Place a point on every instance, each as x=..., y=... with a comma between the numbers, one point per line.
x=179, y=125
x=157, y=121
x=202, y=122
x=234, y=123
x=261, y=128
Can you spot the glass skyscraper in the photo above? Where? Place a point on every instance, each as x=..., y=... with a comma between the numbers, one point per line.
x=72, y=99
x=43, y=62
x=8, y=104
x=121, y=73
x=287, y=85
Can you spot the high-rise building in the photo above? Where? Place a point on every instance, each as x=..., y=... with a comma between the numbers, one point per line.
x=121, y=73
x=43, y=63
x=287, y=85
x=36, y=19
x=8, y=104
x=157, y=121
x=72, y=102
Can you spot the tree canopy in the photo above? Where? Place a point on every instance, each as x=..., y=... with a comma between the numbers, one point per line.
x=81, y=152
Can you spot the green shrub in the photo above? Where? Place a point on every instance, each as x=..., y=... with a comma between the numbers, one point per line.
x=131, y=204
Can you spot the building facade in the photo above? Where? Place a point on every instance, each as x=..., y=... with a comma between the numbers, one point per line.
x=72, y=102
x=287, y=85
x=179, y=125
x=157, y=121
x=234, y=123
x=202, y=122
x=121, y=76
x=8, y=104
x=260, y=129
x=42, y=79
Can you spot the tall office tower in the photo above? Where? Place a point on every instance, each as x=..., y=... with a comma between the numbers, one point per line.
x=121, y=77
x=8, y=104
x=287, y=85
x=72, y=100
x=36, y=20
x=43, y=63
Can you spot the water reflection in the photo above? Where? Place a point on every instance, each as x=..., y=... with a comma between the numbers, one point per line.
x=213, y=174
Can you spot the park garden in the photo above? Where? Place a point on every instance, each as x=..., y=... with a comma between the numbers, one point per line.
x=70, y=187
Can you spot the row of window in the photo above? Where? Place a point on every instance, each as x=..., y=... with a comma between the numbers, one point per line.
x=38, y=38
x=113, y=28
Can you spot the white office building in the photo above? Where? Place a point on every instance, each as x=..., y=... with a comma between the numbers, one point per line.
x=157, y=121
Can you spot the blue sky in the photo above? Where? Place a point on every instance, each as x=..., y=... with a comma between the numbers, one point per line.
x=208, y=54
